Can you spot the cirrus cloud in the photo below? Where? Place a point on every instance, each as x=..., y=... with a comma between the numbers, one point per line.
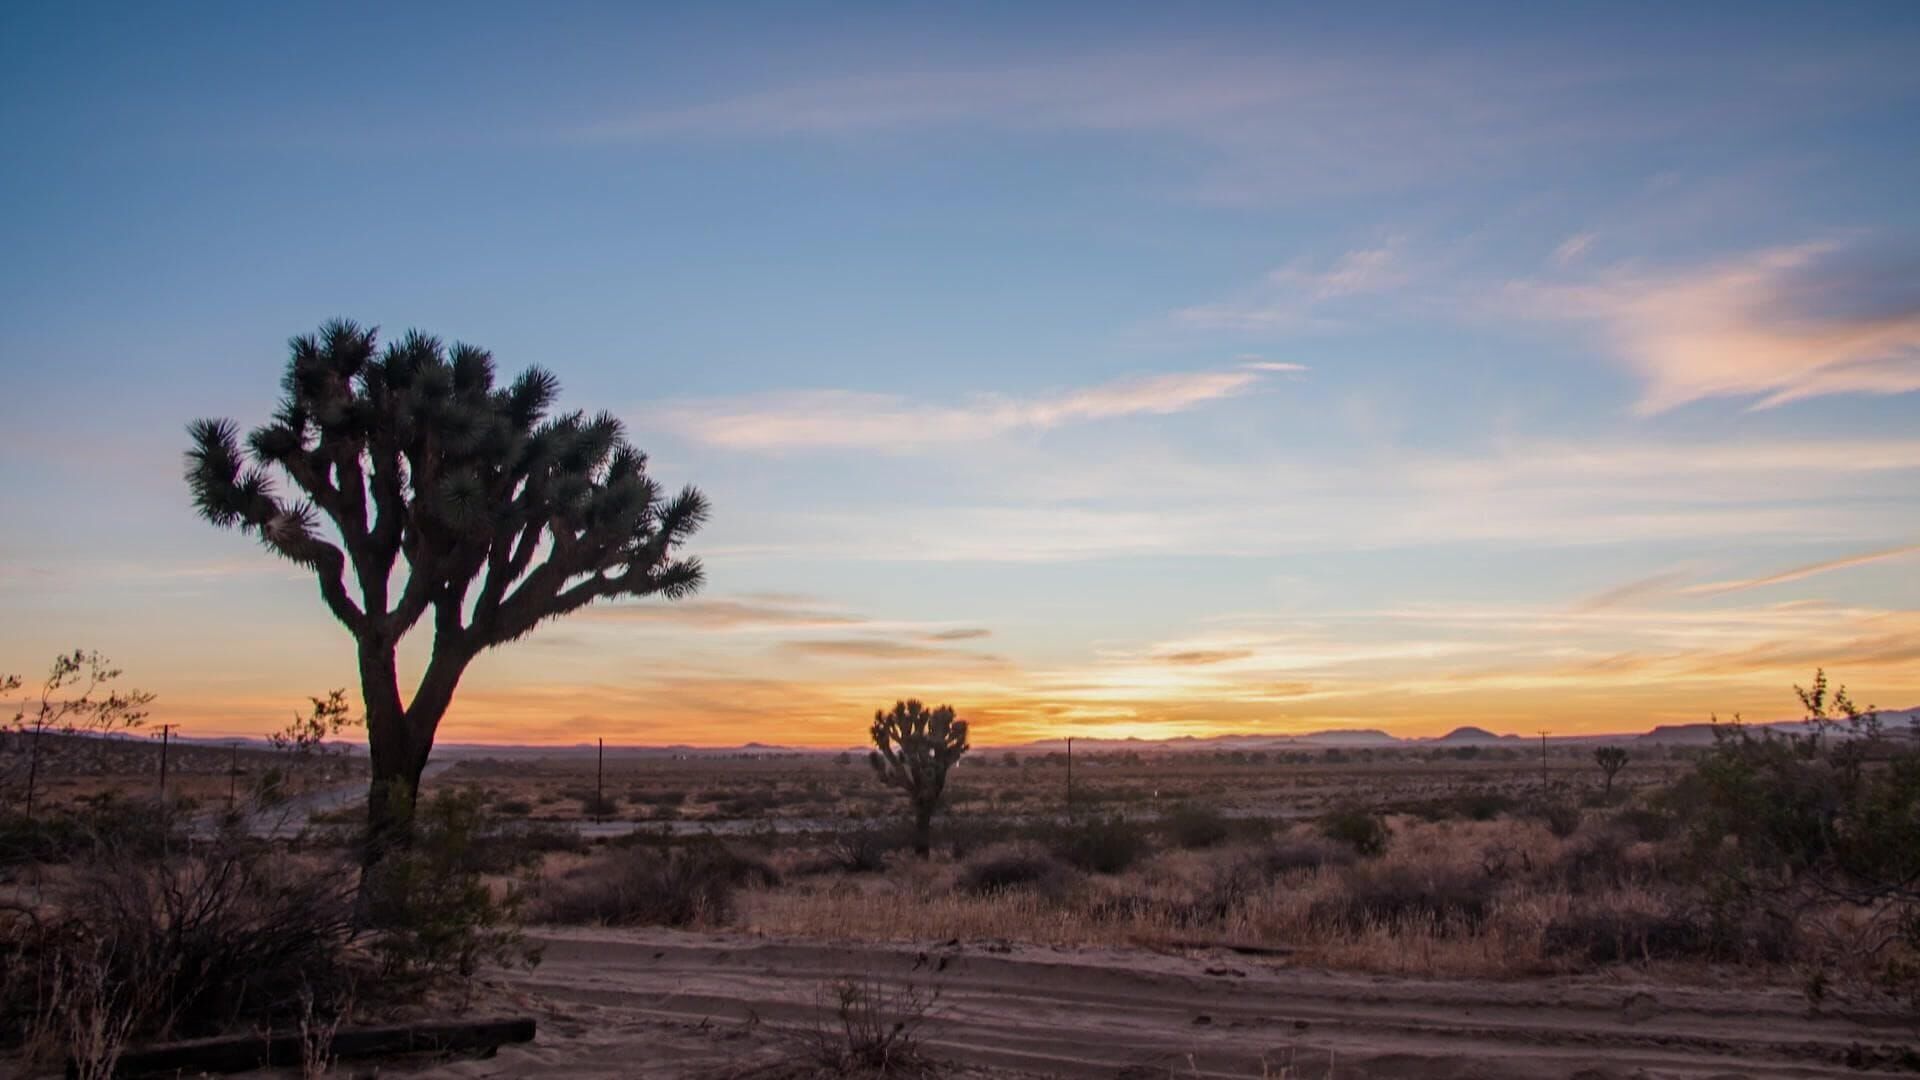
x=1779, y=325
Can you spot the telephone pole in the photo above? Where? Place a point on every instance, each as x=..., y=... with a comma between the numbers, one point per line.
x=600, y=783
x=1069, y=776
x=166, y=735
x=1543, y=763
x=233, y=775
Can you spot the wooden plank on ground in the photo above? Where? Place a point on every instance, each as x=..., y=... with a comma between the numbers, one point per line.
x=238, y=1053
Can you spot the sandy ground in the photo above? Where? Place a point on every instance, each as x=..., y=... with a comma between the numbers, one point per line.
x=664, y=1003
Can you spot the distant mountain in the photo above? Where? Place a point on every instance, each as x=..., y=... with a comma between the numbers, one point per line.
x=1471, y=734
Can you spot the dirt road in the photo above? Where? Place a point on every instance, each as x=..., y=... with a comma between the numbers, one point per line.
x=661, y=1003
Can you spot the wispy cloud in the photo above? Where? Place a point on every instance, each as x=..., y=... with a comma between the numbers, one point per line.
x=1272, y=125
x=883, y=649
x=1295, y=296
x=1572, y=248
x=1777, y=325
x=1798, y=573
x=1651, y=585
x=845, y=420
x=752, y=612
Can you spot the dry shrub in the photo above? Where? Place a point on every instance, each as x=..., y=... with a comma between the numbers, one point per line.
x=652, y=887
x=1100, y=845
x=874, y=1031
x=1357, y=828
x=1192, y=826
x=865, y=851
x=1008, y=867
x=1451, y=899
x=1296, y=852
x=181, y=947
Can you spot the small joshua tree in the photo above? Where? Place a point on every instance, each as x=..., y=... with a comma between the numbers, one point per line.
x=915, y=746
x=1611, y=760
x=77, y=697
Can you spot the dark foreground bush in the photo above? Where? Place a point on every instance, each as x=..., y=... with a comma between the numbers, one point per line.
x=1102, y=845
x=652, y=887
x=1193, y=826
x=1357, y=828
x=1376, y=894
x=1604, y=937
x=1012, y=868
x=152, y=949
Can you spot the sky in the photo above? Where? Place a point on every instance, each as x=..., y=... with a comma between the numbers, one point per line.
x=1103, y=371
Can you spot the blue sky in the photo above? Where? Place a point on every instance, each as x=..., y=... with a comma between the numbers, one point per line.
x=1102, y=369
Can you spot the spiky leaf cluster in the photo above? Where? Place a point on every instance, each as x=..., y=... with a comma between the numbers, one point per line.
x=503, y=515
x=915, y=747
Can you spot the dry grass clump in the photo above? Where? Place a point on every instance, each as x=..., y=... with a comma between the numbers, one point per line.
x=1470, y=898
x=651, y=887
x=1013, y=866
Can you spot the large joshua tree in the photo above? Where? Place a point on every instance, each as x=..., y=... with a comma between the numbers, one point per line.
x=424, y=488
x=914, y=748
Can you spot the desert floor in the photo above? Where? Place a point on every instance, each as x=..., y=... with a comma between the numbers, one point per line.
x=666, y=1003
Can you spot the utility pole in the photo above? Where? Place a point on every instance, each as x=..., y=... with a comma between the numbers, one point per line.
x=600, y=783
x=1069, y=776
x=33, y=763
x=233, y=776
x=1543, y=763
x=166, y=735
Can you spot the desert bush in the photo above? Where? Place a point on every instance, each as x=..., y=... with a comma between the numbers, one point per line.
x=137, y=947
x=865, y=850
x=1646, y=823
x=1294, y=852
x=1561, y=818
x=1191, y=825
x=514, y=807
x=679, y=887
x=127, y=828
x=1468, y=805
x=1603, y=935
x=598, y=806
x=430, y=905
x=1100, y=845
x=1393, y=894
x=873, y=1032
x=1606, y=936
x=1357, y=828
x=1012, y=867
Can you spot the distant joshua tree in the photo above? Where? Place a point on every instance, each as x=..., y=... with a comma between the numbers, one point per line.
x=914, y=748
x=442, y=494
x=1611, y=760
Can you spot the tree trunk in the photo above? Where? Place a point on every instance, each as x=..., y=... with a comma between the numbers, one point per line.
x=399, y=740
x=923, y=831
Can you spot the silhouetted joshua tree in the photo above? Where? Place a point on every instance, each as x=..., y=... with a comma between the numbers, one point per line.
x=442, y=494
x=1611, y=760
x=915, y=748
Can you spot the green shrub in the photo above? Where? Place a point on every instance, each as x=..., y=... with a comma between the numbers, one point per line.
x=433, y=911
